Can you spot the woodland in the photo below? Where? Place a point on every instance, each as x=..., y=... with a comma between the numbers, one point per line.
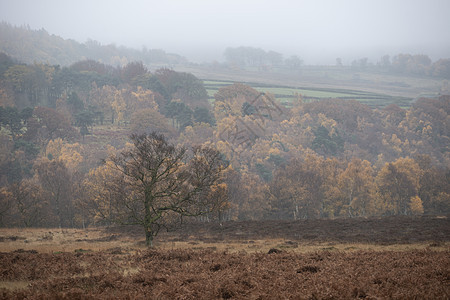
x=29, y=46
x=62, y=126
x=321, y=159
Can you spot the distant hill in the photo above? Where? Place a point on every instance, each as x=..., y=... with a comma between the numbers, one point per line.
x=29, y=46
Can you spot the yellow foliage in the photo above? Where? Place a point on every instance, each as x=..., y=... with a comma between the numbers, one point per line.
x=228, y=108
x=329, y=124
x=68, y=153
x=198, y=134
x=119, y=61
x=410, y=167
x=145, y=98
x=119, y=105
x=99, y=186
x=254, y=201
x=274, y=151
x=395, y=140
x=111, y=150
x=397, y=182
x=427, y=130
x=416, y=206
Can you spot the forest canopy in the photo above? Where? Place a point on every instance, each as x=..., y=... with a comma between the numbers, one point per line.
x=309, y=159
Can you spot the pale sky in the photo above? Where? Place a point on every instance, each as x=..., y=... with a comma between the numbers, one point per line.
x=318, y=31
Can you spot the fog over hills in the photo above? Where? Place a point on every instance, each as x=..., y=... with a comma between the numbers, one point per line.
x=316, y=31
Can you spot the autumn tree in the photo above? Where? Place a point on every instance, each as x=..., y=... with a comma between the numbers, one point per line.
x=184, y=86
x=441, y=68
x=19, y=78
x=69, y=154
x=150, y=120
x=140, y=99
x=398, y=185
x=252, y=201
x=434, y=188
x=230, y=100
x=48, y=124
x=132, y=70
x=11, y=119
x=197, y=134
x=104, y=189
x=110, y=100
x=357, y=188
x=411, y=64
x=55, y=180
x=89, y=65
x=163, y=184
x=6, y=204
x=297, y=189
x=16, y=153
x=27, y=203
x=151, y=82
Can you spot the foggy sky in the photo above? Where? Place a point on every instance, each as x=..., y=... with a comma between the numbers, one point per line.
x=318, y=31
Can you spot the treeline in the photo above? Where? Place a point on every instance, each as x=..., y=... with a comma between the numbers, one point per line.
x=405, y=64
x=257, y=57
x=31, y=46
x=324, y=159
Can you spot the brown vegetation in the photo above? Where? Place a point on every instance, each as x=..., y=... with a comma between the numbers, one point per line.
x=311, y=259
x=206, y=274
x=384, y=231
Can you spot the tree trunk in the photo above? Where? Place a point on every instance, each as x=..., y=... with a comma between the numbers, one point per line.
x=148, y=237
x=149, y=233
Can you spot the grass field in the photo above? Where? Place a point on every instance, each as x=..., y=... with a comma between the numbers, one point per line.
x=376, y=89
x=404, y=257
x=286, y=94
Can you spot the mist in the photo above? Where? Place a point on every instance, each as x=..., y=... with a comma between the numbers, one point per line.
x=316, y=31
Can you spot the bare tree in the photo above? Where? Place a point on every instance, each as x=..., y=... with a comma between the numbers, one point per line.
x=164, y=183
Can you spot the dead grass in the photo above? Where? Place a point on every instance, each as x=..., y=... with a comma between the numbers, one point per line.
x=376, y=234
x=14, y=285
x=98, y=240
x=208, y=274
x=51, y=240
x=239, y=260
x=263, y=246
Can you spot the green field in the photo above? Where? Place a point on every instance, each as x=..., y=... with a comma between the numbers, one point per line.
x=286, y=94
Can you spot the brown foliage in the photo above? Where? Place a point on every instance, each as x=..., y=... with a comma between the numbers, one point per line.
x=206, y=274
x=48, y=124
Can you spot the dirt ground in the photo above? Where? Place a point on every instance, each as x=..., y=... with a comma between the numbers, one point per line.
x=377, y=258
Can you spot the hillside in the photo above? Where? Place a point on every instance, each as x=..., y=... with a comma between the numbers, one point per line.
x=29, y=46
x=305, y=143
x=371, y=87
